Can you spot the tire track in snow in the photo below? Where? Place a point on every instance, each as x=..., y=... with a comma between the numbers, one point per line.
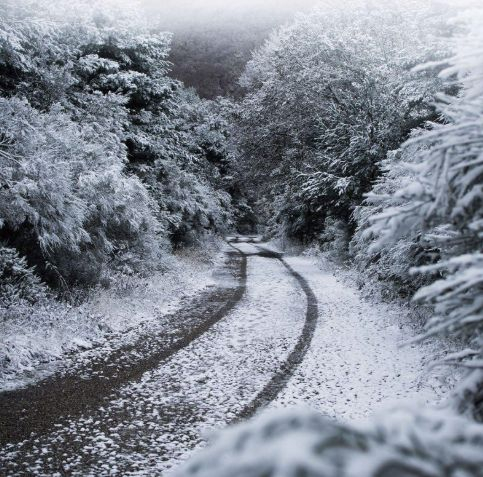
x=150, y=425
x=38, y=408
x=280, y=379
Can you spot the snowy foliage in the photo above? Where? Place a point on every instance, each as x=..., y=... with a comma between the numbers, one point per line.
x=443, y=203
x=66, y=191
x=303, y=443
x=390, y=262
x=17, y=280
x=105, y=161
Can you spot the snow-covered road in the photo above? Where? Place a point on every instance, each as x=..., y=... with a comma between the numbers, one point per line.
x=359, y=360
x=345, y=366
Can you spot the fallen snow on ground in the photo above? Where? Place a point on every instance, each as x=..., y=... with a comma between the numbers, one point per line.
x=355, y=365
x=148, y=425
x=357, y=362
x=33, y=346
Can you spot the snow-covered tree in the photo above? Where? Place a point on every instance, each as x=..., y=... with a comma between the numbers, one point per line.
x=104, y=157
x=328, y=96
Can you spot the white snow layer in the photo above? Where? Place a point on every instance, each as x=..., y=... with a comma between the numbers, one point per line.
x=358, y=362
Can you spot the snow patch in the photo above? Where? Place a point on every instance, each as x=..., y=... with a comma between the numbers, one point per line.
x=359, y=360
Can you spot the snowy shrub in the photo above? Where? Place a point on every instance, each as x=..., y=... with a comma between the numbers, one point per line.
x=66, y=203
x=17, y=280
x=295, y=443
x=390, y=263
x=334, y=240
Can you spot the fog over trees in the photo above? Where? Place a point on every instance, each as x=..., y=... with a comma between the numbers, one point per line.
x=136, y=137
x=213, y=41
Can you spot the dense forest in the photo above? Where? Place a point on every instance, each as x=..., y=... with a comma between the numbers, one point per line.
x=354, y=131
x=106, y=160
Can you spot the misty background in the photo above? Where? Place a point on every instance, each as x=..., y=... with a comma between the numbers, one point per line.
x=213, y=40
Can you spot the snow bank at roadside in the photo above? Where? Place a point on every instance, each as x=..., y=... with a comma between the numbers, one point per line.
x=33, y=337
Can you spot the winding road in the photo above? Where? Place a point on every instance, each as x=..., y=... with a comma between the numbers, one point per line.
x=140, y=408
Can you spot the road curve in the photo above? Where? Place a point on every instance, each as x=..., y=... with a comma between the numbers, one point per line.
x=280, y=379
x=145, y=413
x=36, y=409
